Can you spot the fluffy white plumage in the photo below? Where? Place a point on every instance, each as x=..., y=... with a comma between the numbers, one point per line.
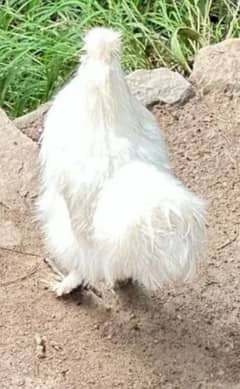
x=110, y=207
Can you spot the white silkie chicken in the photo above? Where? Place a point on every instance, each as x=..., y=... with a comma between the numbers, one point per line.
x=110, y=206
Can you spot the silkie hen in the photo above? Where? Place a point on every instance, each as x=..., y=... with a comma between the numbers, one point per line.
x=110, y=206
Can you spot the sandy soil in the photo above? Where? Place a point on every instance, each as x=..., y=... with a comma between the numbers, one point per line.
x=182, y=338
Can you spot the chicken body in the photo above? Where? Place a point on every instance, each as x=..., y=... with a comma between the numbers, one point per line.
x=110, y=206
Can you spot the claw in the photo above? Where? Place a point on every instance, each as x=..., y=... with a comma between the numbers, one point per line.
x=59, y=288
x=94, y=291
x=51, y=264
x=120, y=284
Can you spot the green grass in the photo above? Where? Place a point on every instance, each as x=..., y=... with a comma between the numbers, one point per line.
x=40, y=39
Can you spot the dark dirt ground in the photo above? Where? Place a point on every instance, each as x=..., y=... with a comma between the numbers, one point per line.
x=186, y=337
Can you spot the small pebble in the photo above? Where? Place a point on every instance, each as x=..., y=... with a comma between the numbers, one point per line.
x=136, y=327
x=41, y=346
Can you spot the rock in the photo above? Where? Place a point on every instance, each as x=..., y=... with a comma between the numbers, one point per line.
x=159, y=85
x=40, y=346
x=19, y=233
x=31, y=123
x=18, y=165
x=216, y=67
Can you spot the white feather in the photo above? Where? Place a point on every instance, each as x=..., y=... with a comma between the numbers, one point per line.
x=110, y=205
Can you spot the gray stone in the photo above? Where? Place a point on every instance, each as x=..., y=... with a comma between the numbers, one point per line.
x=217, y=67
x=18, y=191
x=159, y=85
x=18, y=165
x=31, y=123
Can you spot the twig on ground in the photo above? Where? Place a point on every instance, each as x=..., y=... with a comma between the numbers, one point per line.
x=20, y=252
x=4, y=205
x=229, y=242
x=24, y=277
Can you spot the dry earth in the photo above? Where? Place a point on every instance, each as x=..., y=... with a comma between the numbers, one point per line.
x=183, y=338
x=187, y=337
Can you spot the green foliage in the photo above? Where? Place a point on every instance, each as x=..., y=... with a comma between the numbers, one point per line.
x=40, y=39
